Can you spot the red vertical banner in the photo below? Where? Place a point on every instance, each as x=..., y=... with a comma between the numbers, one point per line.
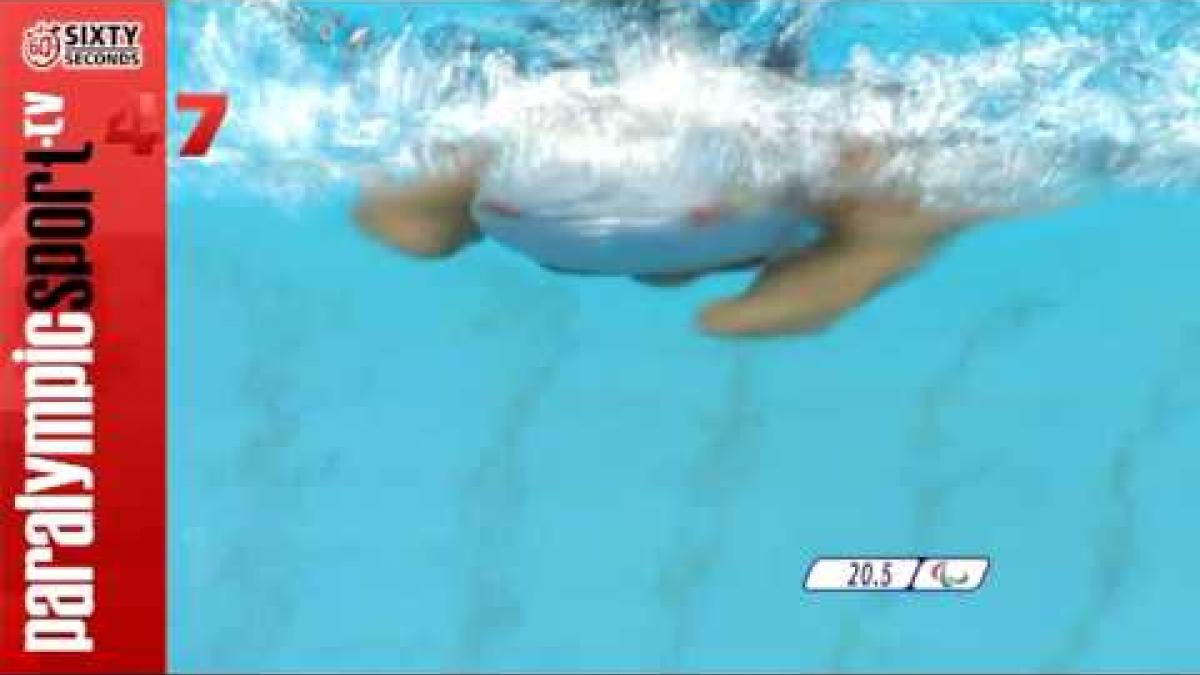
x=82, y=294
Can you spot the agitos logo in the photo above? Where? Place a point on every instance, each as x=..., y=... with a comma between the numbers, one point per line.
x=80, y=45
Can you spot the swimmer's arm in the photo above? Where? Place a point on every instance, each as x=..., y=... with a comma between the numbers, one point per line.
x=427, y=219
x=867, y=245
x=808, y=289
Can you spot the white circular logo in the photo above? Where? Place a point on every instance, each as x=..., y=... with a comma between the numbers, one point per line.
x=42, y=48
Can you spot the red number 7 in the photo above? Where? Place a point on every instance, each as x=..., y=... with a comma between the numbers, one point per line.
x=212, y=109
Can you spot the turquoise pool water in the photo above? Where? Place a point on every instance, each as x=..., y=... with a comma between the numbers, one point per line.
x=378, y=464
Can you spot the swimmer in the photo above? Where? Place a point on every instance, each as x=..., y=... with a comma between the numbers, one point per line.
x=863, y=244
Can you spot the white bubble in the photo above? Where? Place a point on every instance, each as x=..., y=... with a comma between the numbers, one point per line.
x=1091, y=95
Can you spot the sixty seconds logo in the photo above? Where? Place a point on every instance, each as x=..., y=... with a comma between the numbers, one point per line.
x=81, y=45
